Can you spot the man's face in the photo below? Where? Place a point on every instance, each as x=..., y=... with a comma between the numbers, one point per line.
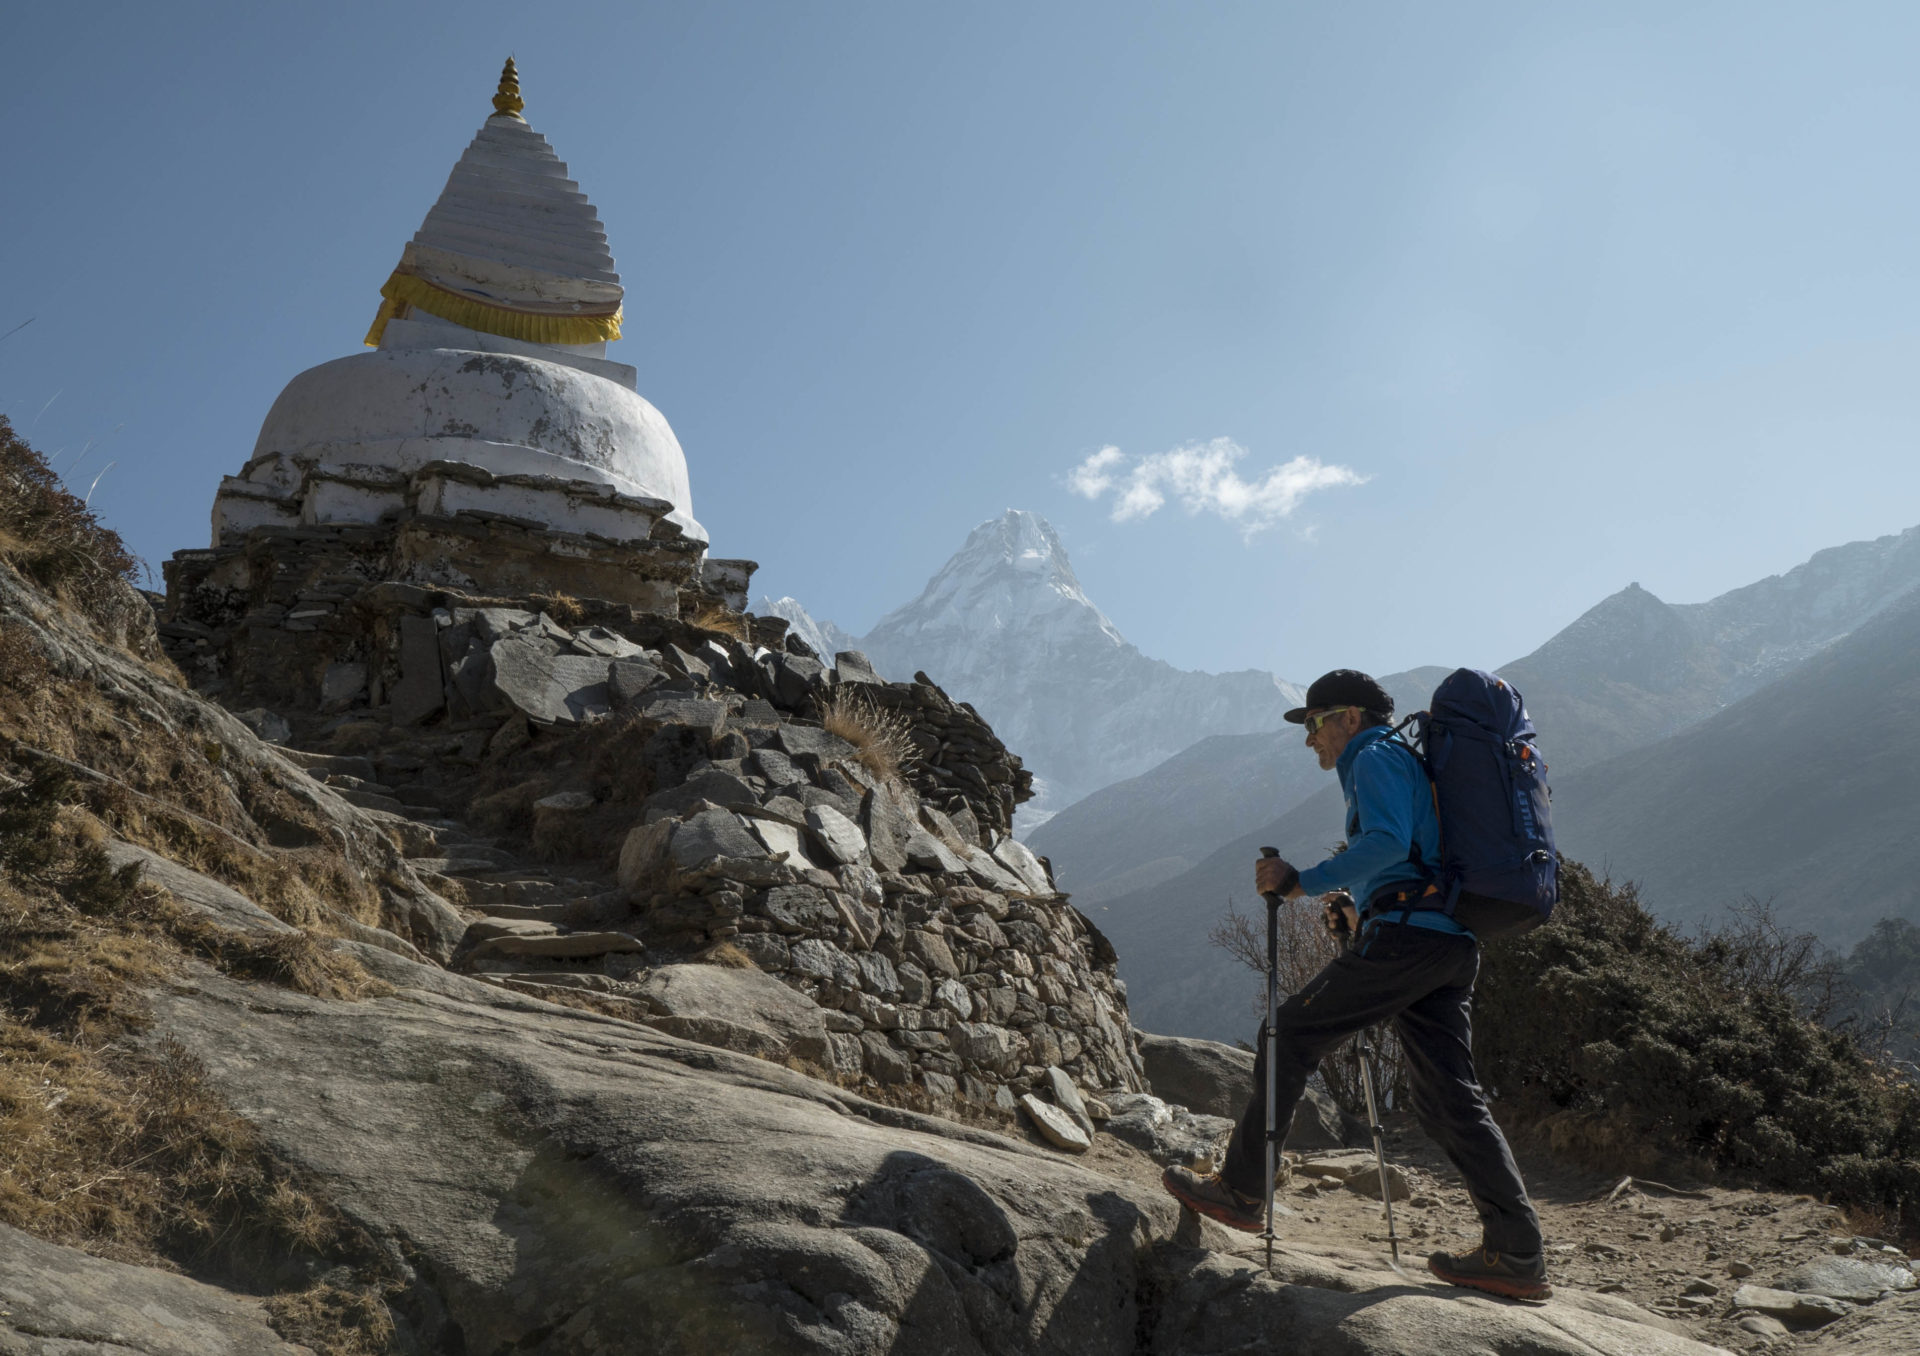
x=1328, y=730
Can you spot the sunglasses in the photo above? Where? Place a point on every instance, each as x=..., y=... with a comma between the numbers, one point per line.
x=1313, y=723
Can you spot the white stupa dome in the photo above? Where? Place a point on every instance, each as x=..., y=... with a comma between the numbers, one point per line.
x=490, y=352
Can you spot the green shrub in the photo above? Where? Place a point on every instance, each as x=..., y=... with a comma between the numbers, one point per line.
x=1607, y=1029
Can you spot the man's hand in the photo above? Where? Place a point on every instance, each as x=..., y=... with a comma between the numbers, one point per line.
x=1342, y=917
x=1276, y=876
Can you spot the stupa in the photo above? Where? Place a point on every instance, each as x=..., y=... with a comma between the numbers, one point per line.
x=488, y=387
x=484, y=453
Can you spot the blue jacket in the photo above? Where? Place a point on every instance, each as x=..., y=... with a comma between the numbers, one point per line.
x=1389, y=813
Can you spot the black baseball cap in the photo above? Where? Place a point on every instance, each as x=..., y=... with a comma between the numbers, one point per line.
x=1344, y=687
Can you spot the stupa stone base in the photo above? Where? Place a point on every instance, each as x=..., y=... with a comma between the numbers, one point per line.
x=312, y=612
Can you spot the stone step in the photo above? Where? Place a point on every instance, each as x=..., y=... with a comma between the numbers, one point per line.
x=575, y=946
x=491, y=896
x=555, y=914
x=497, y=858
x=368, y=800
x=482, y=866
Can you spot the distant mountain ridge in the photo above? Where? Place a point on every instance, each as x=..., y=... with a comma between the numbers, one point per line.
x=1658, y=722
x=1006, y=626
x=1628, y=672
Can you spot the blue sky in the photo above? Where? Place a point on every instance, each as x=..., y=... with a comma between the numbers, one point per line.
x=1587, y=295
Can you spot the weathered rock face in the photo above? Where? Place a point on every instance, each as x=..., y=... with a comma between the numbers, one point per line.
x=55, y=1301
x=559, y=1182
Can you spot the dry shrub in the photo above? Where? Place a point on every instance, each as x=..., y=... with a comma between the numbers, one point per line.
x=293, y=960
x=508, y=810
x=334, y=1321
x=23, y=668
x=883, y=740
x=710, y=614
x=1305, y=948
x=1700, y=1050
x=562, y=607
x=726, y=954
x=53, y=538
x=128, y=1153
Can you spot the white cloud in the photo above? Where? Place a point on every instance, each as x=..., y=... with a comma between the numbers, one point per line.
x=1202, y=477
x=1090, y=479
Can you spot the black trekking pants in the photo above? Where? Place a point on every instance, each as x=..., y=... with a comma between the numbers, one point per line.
x=1423, y=980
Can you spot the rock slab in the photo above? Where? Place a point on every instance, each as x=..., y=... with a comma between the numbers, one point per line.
x=55, y=1301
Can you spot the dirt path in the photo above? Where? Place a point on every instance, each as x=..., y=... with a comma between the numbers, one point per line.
x=1678, y=1252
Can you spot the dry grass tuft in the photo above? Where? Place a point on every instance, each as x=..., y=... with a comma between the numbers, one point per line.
x=883, y=739
x=53, y=538
x=726, y=954
x=562, y=607
x=333, y=1321
x=292, y=960
x=710, y=614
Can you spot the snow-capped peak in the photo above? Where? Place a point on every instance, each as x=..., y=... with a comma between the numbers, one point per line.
x=1012, y=571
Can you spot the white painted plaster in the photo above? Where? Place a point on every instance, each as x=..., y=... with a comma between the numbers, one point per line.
x=509, y=414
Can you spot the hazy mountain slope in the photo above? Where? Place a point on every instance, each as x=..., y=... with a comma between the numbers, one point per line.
x=1806, y=793
x=1627, y=673
x=1006, y=626
x=1177, y=981
x=1633, y=669
x=826, y=639
x=1147, y=829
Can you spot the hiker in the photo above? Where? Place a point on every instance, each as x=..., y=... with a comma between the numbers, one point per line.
x=1411, y=962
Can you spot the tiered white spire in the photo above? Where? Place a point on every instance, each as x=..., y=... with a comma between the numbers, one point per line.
x=512, y=247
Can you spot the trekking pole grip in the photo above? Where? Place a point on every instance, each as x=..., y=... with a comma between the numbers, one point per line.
x=1269, y=895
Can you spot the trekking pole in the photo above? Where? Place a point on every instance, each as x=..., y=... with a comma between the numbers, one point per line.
x=1271, y=1053
x=1379, y=1145
x=1352, y=940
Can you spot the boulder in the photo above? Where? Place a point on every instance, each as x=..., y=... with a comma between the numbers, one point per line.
x=810, y=741
x=548, y=687
x=1055, y=1125
x=643, y=855
x=628, y=679
x=1793, y=1309
x=709, y=784
x=1211, y=1302
x=1018, y=858
x=733, y=1009
x=709, y=834
x=1847, y=1278
x=926, y=853
x=839, y=835
x=889, y=829
x=853, y=666
x=1217, y=1080
x=780, y=838
x=1366, y=1181
x=1169, y=1135
x=1067, y=1097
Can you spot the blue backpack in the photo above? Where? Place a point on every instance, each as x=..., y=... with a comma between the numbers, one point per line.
x=1498, y=865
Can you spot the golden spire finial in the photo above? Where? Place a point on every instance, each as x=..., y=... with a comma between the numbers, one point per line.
x=507, y=101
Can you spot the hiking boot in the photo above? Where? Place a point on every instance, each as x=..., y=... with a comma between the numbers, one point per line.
x=1212, y=1197
x=1521, y=1276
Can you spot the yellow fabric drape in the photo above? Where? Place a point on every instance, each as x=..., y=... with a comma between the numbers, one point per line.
x=405, y=289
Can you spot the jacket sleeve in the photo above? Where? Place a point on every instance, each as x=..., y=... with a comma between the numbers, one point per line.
x=1384, y=793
